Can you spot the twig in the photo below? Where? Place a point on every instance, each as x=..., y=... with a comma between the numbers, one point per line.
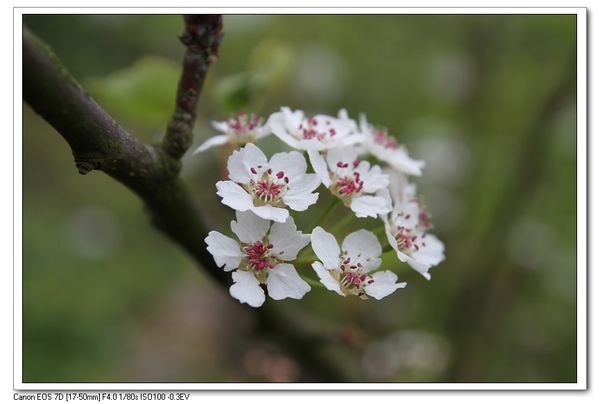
x=202, y=36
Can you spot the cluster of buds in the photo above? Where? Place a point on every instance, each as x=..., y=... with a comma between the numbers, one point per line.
x=262, y=191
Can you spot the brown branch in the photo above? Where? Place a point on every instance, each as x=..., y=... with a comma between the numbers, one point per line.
x=202, y=36
x=99, y=143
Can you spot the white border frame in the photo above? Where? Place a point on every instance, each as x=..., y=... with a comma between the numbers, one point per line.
x=582, y=326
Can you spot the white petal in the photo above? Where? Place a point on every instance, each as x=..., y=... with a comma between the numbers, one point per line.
x=318, y=163
x=362, y=246
x=226, y=251
x=287, y=240
x=400, y=160
x=384, y=284
x=369, y=206
x=234, y=196
x=241, y=161
x=271, y=213
x=247, y=289
x=284, y=281
x=326, y=279
x=249, y=227
x=345, y=155
x=430, y=253
x=421, y=268
x=280, y=127
x=211, y=142
x=299, y=195
x=375, y=180
x=325, y=247
x=407, y=215
x=292, y=164
x=292, y=119
x=353, y=139
x=221, y=126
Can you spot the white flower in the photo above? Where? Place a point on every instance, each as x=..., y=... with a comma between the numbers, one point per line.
x=259, y=258
x=349, y=271
x=385, y=147
x=356, y=183
x=314, y=134
x=406, y=228
x=237, y=130
x=268, y=187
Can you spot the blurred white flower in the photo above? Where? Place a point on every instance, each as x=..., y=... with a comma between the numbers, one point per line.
x=259, y=258
x=267, y=188
x=407, y=225
x=355, y=182
x=241, y=129
x=349, y=271
x=387, y=149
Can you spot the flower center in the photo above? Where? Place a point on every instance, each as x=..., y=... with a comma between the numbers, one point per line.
x=310, y=129
x=382, y=138
x=259, y=256
x=352, y=278
x=243, y=123
x=408, y=241
x=266, y=187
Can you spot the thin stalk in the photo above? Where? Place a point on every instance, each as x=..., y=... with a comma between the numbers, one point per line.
x=325, y=213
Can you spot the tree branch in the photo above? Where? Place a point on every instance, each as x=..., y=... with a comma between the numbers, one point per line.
x=151, y=171
x=99, y=143
x=202, y=36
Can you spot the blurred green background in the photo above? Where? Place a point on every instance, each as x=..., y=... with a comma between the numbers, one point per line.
x=488, y=102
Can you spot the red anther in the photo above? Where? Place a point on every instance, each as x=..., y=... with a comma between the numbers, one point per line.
x=286, y=180
x=253, y=170
x=407, y=216
x=270, y=171
x=280, y=174
x=341, y=164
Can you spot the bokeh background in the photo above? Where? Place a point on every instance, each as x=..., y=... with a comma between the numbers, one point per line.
x=487, y=101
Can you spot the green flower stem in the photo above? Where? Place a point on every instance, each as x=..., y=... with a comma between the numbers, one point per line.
x=326, y=212
x=312, y=282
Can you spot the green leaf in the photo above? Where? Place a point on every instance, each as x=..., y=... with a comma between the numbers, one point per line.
x=143, y=93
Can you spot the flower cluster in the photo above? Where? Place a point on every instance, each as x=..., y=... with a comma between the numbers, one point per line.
x=361, y=165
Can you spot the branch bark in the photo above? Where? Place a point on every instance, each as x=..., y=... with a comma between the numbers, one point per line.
x=98, y=142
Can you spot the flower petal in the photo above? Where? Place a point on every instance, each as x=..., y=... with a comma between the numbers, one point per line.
x=226, y=251
x=299, y=195
x=346, y=155
x=326, y=279
x=318, y=163
x=362, y=246
x=325, y=247
x=292, y=164
x=249, y=227
x=241, y=161
x=234, y=196
x=375, y=180
x=217, y=140
x=384, y=284
x=247, y=289
x=284, y=281
x=271, y=213
x=287, y=240
x=369, y=206
x=281, y=125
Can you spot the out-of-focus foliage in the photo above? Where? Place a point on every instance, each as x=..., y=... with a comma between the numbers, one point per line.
x=487, y=101
x=143, y=92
